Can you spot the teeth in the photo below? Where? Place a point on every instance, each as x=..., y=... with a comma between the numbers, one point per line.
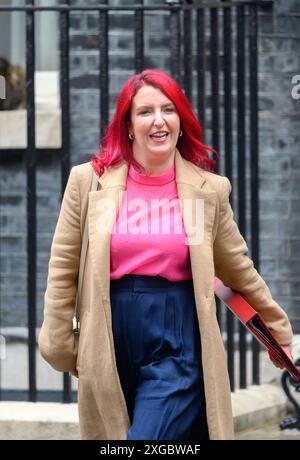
x=159, y=135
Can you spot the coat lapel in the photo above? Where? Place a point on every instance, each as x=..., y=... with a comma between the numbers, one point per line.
x=195, y=196
x=195, y=193
x=103, y=207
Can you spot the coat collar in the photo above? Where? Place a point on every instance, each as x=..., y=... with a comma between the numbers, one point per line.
x=186, y=173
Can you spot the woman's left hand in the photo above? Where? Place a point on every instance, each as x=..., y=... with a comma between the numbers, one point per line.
x=74, y=372
x=288, y=351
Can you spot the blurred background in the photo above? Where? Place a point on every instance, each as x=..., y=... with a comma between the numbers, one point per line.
x=63, y=65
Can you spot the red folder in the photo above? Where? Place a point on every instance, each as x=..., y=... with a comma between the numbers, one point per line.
x=254, y=323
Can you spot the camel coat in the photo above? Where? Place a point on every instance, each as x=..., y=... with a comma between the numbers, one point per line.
x=222, y=252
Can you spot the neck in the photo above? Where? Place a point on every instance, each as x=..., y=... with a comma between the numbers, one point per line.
x=155, y=166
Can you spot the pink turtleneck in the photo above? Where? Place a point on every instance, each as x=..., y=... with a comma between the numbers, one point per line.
x=148, y=237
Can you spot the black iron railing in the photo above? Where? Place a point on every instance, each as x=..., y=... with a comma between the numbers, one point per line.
x=215, y=57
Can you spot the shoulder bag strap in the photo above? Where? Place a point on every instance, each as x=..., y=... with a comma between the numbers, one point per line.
x=84, y=246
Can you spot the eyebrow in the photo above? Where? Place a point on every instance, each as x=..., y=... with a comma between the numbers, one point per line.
x=150, y=106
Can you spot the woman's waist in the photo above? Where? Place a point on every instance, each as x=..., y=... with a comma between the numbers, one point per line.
x=132, y=281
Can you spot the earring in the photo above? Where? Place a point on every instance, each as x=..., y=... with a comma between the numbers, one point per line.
x=180, y=133
x=131, y=136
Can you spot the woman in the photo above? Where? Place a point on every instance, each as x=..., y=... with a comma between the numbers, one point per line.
x=150, y=360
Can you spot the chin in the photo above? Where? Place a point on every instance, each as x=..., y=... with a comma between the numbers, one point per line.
x=162, y=149
x=161, y=152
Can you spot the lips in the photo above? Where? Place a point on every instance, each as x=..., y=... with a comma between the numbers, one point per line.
x=159, y=136
x=159, y=140
x=158, y=133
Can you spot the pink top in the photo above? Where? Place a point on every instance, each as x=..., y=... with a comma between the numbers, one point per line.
x=148, y=237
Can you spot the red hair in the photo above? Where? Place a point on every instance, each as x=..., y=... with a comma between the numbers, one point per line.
x=116, y=146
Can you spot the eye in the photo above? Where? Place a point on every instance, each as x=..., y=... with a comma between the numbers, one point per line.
x=169, y=109
x=144, y=112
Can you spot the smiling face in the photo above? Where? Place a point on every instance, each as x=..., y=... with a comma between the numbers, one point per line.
x=155, y=125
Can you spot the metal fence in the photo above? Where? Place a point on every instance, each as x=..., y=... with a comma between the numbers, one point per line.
x=210, y=31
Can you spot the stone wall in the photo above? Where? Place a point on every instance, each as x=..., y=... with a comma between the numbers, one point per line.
x=279, y=48
x=279, y=138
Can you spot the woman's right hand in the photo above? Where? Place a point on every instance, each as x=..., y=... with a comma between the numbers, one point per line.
x=288, y=351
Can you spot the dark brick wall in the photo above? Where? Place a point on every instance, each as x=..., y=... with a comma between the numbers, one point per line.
x=279, y=49
x=279, y=39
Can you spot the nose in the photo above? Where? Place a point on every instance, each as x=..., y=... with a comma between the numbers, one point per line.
x=158, y=118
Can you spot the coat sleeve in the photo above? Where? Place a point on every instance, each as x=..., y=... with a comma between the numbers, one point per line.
x=236, y=270
x=56, y=339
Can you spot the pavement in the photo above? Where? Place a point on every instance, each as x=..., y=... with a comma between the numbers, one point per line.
x=269, y=432
x=257, y=410
x=38, y=421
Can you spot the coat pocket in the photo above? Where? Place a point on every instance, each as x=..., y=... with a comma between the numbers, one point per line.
x=58, y=349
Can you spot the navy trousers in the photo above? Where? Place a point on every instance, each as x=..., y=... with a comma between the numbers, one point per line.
x=158, y=353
